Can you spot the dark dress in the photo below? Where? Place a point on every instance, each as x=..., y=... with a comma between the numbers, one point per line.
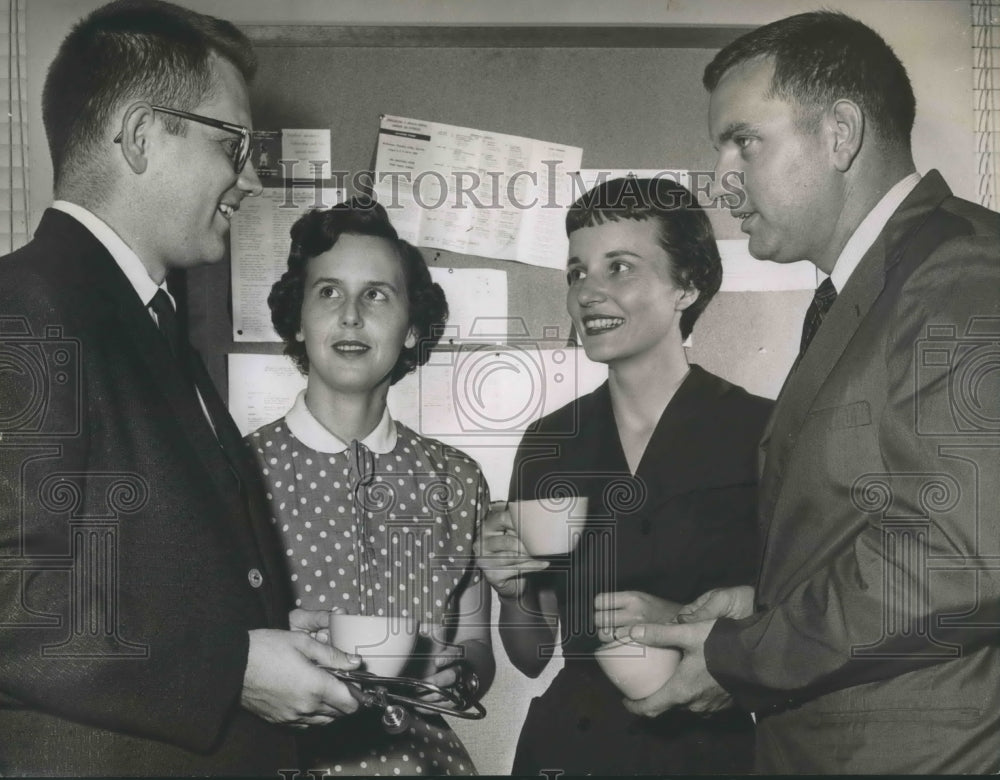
x=684, y=524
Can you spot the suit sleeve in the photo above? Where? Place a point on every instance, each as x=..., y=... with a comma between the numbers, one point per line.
x=918, y=584
x=88, y=632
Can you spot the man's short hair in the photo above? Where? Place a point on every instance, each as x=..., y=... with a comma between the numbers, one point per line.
x=132, y=50
x=824, y=56
x=683, y=231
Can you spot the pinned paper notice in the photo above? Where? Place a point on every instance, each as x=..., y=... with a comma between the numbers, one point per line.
x=473, y=294
x=474, y=191
x=310, y=149
x=260, y=242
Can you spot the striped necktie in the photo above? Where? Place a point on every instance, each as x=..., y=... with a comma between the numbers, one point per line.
x=825, y=295
x=166, y=321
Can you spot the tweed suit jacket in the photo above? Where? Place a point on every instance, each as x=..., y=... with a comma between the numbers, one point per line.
x=135, y=547
x=875, y=646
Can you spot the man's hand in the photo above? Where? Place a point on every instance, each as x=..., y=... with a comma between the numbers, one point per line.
x=735, y=603
x=315, y=622
x=691, y=686
x=284, y=681
x=624, y=608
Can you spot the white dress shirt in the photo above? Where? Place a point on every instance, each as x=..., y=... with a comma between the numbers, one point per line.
x=122, y=253
x=864, y=235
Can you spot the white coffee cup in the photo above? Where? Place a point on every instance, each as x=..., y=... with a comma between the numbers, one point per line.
x=549, y=526
x=637, y=670
x=384, y=643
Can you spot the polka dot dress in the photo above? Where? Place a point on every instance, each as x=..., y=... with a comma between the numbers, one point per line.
x=378, y=533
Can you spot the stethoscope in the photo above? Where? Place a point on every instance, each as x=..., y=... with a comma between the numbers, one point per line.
x=389, y=694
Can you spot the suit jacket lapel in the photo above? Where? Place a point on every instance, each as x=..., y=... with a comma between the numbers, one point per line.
x=806, y=379
x=841, y=323
x=260, y=542
x=125, y=317
x=176, y=388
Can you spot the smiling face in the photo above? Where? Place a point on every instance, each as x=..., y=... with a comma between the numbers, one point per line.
x=355, y=316
x=793, y=200
x=191, y=191
x=622, y=299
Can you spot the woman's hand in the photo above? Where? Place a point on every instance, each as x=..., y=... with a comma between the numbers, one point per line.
x=735, y=602
x=500, y=554
x=445, y=670
x=620, y=609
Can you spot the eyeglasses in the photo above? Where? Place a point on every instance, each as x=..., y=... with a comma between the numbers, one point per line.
x=242, y=152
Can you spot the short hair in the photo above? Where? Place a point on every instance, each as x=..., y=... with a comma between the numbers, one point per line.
x=132, y=50
x=683, y=228
x=823, y=56
x=316, y=232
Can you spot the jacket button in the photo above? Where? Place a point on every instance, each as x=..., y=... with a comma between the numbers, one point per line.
x=255, y=577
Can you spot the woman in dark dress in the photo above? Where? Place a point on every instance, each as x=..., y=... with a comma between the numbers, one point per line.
x=666, y=455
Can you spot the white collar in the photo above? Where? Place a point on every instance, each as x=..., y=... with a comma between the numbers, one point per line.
x=864, y=235
x=311, y=432
x=122, y=253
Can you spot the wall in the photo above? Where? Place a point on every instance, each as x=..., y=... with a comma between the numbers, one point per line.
x=933, y=43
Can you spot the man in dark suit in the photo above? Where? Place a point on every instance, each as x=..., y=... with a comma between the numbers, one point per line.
x=871, y=642
x=143, y=604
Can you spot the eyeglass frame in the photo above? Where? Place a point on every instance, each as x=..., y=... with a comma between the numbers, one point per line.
x=242, y=153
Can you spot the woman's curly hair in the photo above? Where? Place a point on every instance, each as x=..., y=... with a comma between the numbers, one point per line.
x=315, y=233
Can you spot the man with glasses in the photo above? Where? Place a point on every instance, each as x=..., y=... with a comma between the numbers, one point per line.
x=143, y=608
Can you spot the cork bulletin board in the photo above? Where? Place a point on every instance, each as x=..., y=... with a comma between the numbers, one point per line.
x=631, y=97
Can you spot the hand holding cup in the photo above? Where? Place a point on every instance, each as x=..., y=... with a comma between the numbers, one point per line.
x=637, y=670
x=549, y=526
x=501, y=555
x=384, y=643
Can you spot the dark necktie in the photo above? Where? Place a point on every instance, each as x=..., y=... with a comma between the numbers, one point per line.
x=197, y=379
x=166, y=320
x=825, y=295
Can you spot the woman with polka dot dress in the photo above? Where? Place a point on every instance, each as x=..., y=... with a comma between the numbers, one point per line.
x=375, y=519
